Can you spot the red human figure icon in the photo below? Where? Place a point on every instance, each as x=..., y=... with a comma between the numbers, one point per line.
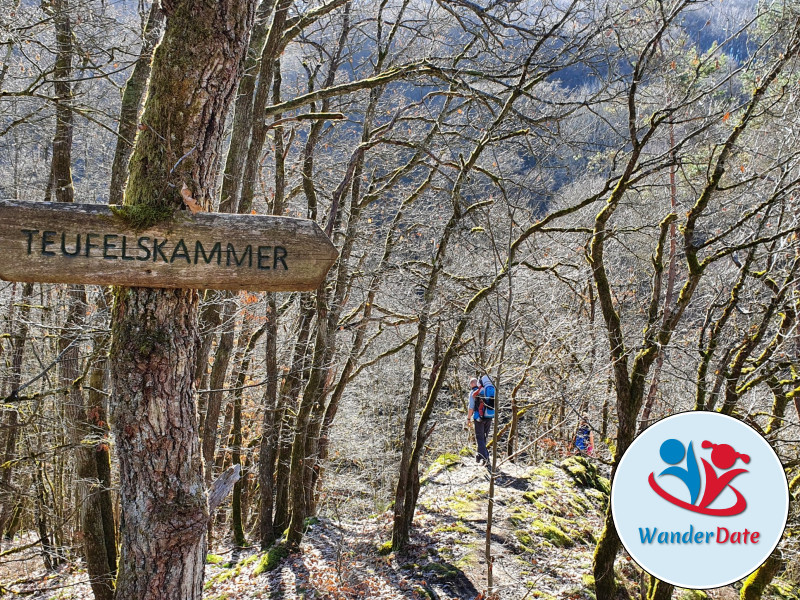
x=724, y=457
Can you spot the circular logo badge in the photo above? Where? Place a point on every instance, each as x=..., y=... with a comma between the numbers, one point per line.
x=700, y=500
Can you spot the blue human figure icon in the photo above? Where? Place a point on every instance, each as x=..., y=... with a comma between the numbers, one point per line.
x=672, y=452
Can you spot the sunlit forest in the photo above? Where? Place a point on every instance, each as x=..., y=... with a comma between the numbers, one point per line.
x=594, y=203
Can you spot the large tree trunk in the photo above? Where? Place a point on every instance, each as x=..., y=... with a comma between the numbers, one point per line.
x=154, y=415
x=659, y=590
x=755, y=585
x=195, y=72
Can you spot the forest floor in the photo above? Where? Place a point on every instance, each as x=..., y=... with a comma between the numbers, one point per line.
x=545, y=523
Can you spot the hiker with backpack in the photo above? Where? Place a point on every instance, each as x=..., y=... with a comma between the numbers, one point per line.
x=584, y=438
x=481, y=413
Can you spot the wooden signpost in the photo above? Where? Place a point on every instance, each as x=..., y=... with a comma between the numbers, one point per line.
x=86, y=243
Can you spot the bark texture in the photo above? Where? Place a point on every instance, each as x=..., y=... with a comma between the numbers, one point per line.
x=132, y=101
x=759, y=579
x=62, y=71
x=19, y=335
x=155, y=421
x=195, y=71
x=91, y=509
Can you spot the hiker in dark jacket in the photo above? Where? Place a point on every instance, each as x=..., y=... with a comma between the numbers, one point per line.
x=482, y=425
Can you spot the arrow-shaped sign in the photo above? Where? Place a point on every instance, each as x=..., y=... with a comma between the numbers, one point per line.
x=87, y=243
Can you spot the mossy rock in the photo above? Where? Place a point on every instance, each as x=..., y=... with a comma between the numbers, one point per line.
x=543, y=471
x=441, y=570
x=784, y=589
x=692, y=595
x=445, y=462
x=457, y=527
x=578, y=504
x=423, y=591
x=553, y=533
x=525, y=540
x=585, y=474
x=463, y=505
x=222, y=577
x=385, y=548
x=271, y=559
x=214, y=559
x=534, y=495
x=521, y=517
x=448, y=460
x=546, y=508
x=600, y=497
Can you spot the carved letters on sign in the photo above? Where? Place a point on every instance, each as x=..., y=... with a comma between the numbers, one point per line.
x=74, y=243
x=112, y=246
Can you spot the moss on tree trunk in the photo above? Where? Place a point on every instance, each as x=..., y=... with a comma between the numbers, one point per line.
x=195, y=71
x=759, y=579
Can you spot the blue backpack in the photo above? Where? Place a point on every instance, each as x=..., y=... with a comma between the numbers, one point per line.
x=485, y=399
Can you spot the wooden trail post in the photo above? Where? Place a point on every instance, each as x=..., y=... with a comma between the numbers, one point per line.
x=86, y=243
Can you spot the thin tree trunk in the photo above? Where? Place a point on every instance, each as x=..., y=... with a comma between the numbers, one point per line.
x=513, y=429
x=269, y=429
x=18, y=329
x=269, y=59
x=243, y=121
x=62, y=72
x=101, y=572
x=495, y=439
x=98, y=420
x=49, y=555
x=288, y=392
x=209, y=320
x=88, y=486
x=222, y=358
x=297, y=479
x=243, y=362
x=236, y=459
x=132, y=102
x=671, y=272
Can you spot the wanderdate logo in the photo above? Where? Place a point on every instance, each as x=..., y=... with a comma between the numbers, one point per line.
x=700, y=500
x=723, y=457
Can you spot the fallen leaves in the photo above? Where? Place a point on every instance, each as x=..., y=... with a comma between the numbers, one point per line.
x=192, y=204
